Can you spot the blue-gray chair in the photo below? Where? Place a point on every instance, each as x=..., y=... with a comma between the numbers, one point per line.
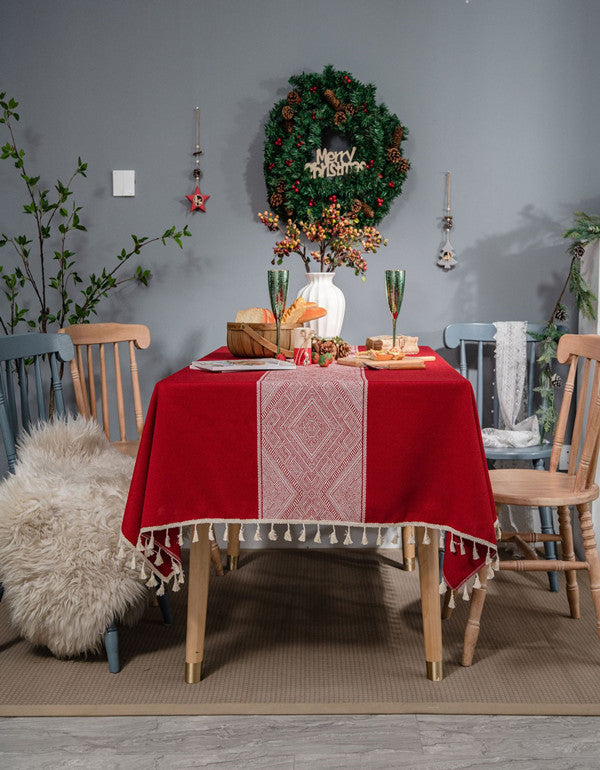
x=25, y=396
x=480, y=337
x=23, y=355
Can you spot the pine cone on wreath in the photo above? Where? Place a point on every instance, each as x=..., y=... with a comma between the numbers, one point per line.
x=293, y=97
x=394, y=155
x=340, y=118
x=398, y=136
x=350, y=109
x=287, y=112
x=280, y=186
x=404, y=165
x=332, y=100
x=288, y=125
x=356, y=206
x=368, y=211
x=276, y=200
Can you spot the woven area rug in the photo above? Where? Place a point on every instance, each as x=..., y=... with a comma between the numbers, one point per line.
x=325, y=632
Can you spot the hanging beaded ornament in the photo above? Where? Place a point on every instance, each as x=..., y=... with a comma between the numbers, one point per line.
x=197, y=199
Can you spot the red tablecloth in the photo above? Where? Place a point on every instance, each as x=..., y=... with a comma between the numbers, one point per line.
x=226, y=448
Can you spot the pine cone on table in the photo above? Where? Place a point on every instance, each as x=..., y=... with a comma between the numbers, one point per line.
x=328, y=347
x=343, y=349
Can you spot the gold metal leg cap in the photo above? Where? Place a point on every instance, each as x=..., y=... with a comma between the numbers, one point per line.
x=435, y=670
x=193, y=672
x=409, y=564
x=232, y=562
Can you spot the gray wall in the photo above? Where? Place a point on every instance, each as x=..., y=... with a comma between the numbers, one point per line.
x=503, y=93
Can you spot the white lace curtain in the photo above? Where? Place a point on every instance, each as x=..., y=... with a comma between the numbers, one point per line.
x=511, y=375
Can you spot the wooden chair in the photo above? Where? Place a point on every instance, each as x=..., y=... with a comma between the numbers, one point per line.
x=88, y=338
x=481, y=336
x=551, y=488
x=91, y=341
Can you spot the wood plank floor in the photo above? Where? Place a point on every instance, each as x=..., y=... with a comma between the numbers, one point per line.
x=369, y=742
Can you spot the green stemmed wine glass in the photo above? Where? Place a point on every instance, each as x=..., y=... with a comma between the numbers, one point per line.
x=278, y=288
x=394, y=284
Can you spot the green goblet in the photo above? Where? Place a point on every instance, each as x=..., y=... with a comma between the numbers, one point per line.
x=278, y=288
x=394, y=284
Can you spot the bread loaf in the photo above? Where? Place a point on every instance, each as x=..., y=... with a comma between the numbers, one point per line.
x=294, y=311
x=409, y=345
x=255, y=315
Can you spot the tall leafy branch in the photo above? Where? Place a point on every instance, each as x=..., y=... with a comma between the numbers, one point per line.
x=45, y=271
x=585, y=230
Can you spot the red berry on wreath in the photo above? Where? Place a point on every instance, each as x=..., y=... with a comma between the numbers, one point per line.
x=288, y=162
x=390, y=184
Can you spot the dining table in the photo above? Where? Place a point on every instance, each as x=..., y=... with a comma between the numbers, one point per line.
x=328, y=454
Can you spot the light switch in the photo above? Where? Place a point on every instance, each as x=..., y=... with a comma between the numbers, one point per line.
x=123, y=183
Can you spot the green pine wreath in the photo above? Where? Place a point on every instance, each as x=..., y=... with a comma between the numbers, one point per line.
x=298, y=128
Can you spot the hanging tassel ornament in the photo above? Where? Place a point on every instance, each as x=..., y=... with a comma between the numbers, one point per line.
x=318, y=534
x=288, y=534
x=197, y=200
x=446, y=258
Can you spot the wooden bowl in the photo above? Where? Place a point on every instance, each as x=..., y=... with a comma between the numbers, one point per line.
x=260, y=340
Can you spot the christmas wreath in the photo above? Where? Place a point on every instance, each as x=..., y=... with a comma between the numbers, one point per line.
x=303, y=176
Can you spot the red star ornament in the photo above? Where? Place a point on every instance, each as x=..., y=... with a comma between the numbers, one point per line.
x=197, y=200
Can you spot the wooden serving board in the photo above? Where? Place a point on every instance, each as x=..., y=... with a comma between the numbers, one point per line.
x=409, y=362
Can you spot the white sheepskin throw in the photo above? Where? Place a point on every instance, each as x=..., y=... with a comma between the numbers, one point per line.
x=60, y=518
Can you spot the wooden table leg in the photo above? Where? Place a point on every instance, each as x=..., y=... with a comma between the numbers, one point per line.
x=197, y=602
x=408, y=549
x=233, y=546
x=429, y=580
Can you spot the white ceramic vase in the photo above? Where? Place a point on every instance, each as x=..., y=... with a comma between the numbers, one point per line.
x=321, y=289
